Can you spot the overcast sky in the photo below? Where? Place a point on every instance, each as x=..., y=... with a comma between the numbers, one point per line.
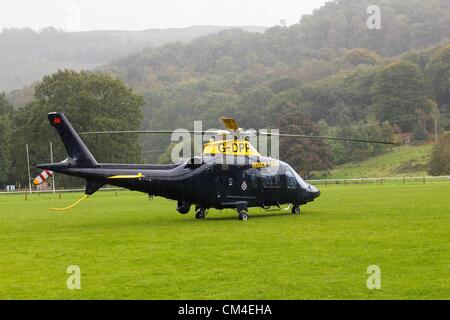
x=75, y=15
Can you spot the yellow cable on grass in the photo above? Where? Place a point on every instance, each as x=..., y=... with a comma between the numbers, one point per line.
x=71, y=206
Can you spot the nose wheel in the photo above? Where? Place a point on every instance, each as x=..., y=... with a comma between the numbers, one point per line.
x=241, y=208
x=243, y=215
x=295, y=209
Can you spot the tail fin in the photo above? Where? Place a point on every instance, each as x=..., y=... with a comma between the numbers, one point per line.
x=78, y=153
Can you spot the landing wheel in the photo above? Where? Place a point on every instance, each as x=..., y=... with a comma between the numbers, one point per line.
x=200, y=213
x=243, y=215
x=295, y=209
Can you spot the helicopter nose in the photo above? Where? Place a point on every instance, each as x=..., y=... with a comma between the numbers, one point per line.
x=313, y=191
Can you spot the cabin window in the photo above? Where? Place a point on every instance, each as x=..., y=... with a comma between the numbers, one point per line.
x=290, y=179
x=254, y=180
x=302, y=182
x=271, y=181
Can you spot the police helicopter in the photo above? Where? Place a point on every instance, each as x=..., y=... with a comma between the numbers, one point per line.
x=230, y=173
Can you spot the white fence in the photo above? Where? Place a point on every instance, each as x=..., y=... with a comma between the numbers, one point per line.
x=381, y=181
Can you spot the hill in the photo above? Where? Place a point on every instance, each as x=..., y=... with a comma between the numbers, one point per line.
x=401, y=161
x=26, y=55
x=319, y=38
x=330, y=67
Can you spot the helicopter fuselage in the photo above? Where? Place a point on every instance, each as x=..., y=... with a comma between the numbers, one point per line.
x=210, y=183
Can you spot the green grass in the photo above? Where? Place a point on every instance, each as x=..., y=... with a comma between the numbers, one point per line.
x=129, y=247
x=401, y=161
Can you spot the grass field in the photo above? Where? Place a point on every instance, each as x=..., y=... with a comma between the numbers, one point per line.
x=128, y=247
x=402, y=161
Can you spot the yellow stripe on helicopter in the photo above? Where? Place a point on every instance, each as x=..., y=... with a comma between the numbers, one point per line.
x=259, y=165
x=130, y=176
x=230, y=147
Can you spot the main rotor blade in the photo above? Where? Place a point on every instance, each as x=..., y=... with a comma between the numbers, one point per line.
x=224, y=132
x=325, y=138
x=152, y=131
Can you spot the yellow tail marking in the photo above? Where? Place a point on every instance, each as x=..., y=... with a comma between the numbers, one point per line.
x=71, y=206
x=130, y=176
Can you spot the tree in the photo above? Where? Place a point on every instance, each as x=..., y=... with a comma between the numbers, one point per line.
x=6, y=112
x=305, y=155
x=400, y=89
x=439, y=71
x=357, y=56
x=439, y=163
x=370, y=129
x=420, y=132
x=92, y=102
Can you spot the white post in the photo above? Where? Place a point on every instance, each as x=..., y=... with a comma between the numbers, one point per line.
x=53, y=176
x=28, y=165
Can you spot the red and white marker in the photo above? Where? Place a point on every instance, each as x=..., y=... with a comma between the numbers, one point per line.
x=42, y=177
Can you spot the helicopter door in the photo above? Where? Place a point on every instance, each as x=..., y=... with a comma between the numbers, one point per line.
x=271, y=185
x=225, y=181
x=235, y=185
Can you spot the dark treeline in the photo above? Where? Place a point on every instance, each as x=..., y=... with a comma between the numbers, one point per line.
x=327, y=75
